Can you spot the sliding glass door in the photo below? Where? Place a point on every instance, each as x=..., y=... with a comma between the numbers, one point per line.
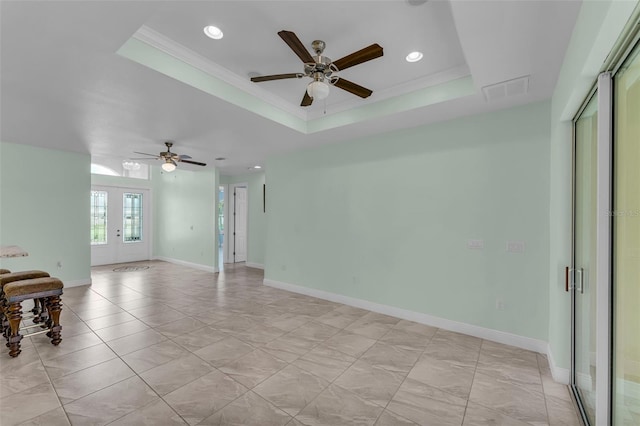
x=626, y=243
x=581, y=277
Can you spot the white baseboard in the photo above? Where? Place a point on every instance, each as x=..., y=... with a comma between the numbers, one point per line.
x=459, y=327
x=628, y=388
x=188, y=264
x=254, y=265
x=77, y=283
x=560, y=375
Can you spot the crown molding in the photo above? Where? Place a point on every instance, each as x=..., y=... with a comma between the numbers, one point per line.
x=177, y=50
x=431, y=80
x=170, y=47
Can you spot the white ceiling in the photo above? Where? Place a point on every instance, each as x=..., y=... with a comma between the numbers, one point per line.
x=63, y=85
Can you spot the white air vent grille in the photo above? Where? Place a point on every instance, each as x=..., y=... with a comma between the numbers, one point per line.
x=517, y=86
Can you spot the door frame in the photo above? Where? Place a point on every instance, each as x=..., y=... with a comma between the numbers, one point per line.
x=148, y=220
x=603, y=279
x=231, y=248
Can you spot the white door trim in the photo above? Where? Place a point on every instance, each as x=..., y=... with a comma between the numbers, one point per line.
x=232, y=188
x=226, y=250
x=603, y=250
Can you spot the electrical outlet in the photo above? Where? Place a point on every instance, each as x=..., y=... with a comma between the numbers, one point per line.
x=59, y=264
x=500, y=305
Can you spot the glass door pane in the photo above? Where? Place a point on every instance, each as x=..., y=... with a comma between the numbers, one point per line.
x=626, y=243
x=98, y=217
x=132, y=217
x=584, y=300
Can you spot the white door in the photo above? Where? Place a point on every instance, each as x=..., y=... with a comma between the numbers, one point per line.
x=240, y=224
x=120, y=225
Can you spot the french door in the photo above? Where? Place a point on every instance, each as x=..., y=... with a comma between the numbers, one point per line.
x=120, y=225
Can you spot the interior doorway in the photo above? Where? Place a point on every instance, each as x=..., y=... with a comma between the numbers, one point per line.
x=221, y=225
x=239, y=208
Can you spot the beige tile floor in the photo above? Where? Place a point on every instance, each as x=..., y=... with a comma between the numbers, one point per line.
x=172, y=345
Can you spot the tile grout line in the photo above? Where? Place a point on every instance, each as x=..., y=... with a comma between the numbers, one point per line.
x=123, y=361
x=252, y=316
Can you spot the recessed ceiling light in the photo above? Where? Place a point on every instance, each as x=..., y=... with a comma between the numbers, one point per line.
x=213, y=32
x=254, y=167
x=414, y=56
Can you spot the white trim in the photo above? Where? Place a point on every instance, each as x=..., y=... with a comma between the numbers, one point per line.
x=603, y=250
x=559, y=374
x=446, y=324
x=441, y=77
x=226, y=252
x=77, y=283
x=188, y=264
x=232, y=215
x=186, y=55
x=254, y=265
x=163, y=43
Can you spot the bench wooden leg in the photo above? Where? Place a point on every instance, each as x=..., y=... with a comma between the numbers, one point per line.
x=54, y=307
x=14, y=315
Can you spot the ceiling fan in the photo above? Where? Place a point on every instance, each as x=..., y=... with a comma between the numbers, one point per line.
x=170, y=158
x=321, y=68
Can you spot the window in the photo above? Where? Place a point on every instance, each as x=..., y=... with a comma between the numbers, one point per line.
x=98, y=217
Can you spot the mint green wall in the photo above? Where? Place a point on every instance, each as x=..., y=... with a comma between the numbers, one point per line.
x=184, y=205
x=44, y=208
x=599, y=25
x=257, y=219
x=387, y=219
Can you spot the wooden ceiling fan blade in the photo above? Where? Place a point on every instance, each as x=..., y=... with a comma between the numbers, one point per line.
x=145, y=158
x=197, y=163
x=296, y=45
x=275, y=77
x=144, y=153
x=184, y=157
x=362, y=55
x=306, y=99
x=351, y=87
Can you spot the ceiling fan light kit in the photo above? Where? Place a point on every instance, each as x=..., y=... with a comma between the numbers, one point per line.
x=318, y=90
x=322, y=69
x=169, y=165
x=171, y=159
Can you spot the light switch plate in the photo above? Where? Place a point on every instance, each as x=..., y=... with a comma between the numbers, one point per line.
x=475, y=244
x=515, y=246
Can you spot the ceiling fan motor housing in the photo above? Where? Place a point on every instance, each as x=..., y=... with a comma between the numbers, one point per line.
x=318, y=46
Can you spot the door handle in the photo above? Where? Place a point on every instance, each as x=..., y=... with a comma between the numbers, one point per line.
x=581, y=280
x=569, y=278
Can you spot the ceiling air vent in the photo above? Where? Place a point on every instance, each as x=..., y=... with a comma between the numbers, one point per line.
x=505, y=89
